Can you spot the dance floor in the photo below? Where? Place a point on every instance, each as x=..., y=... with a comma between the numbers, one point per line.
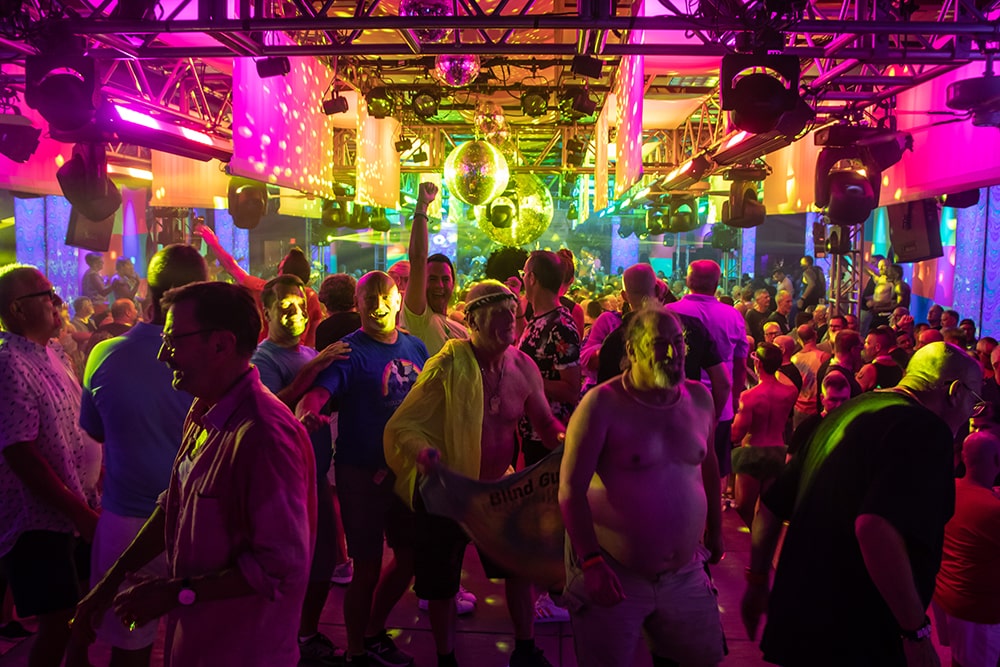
x=484, y=638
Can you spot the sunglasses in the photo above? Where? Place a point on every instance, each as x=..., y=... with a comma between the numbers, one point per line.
x=50, y=293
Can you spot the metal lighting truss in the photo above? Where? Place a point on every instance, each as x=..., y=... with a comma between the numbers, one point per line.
x=847, y=274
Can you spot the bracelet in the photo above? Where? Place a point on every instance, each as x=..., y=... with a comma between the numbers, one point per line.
x=921, y=633
x=755, y=578
x=591, y=561
x=420, y=213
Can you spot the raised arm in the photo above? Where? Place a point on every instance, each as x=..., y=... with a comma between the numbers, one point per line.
x=225, y=259
x=416, y=290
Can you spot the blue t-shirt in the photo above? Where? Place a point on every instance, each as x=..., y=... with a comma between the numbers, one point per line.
x=130, y=405
x=278, y=366
x=370, y=383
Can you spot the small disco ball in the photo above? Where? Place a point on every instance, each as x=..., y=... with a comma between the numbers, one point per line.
x=476, y=172
x=532, y=217
x=489, y=119
x=457, y=70
x=424, y=9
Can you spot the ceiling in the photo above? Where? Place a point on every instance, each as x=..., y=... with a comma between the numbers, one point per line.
x=174, y=58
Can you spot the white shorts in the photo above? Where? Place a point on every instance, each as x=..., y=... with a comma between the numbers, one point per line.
x=973, y=644
x=113, y=535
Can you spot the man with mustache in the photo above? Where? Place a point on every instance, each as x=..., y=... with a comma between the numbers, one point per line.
x=643, y=440
x=370, y=384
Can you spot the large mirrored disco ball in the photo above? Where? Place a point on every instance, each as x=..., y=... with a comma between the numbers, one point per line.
x=456, y=70
x=424, y=9
x=476, y=172
x=532, y=218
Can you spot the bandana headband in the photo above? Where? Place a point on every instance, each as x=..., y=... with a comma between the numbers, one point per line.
x=487, y=300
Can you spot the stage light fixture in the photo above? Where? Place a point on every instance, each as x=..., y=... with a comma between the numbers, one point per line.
x=686, y=175
x=379, y=220
x=852, y=196
x=838, y=241
x=757, y=100
x=535, y=103
x=333, y=214
x=271, y=67
x=419, y=156
x=502, y=211
x=85, y=182
x=683, y=215
x=18, y=137
x=572, y=213
x=743, y=209
x=403, y=145
x=584, y=104
x=964, y=199
x=335, y=105
x=379, y=102
x=576, y=152
x=425, y=105
x=656, y=222
x=247, y=202
x=587, y=66
x=64, y=90
x=743, y=147
x=626, y=227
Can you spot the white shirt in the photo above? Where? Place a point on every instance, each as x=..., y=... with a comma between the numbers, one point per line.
x=434, y=329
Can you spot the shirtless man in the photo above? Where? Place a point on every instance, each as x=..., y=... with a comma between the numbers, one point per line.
x=759, y=426
x=632, y=491
x=440, y=423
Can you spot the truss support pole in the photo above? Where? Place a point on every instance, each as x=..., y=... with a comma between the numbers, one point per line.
x=847, y=274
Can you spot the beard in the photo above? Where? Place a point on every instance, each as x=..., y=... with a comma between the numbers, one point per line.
x=666, y=376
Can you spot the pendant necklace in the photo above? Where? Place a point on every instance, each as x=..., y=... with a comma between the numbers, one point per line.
x=494, y=393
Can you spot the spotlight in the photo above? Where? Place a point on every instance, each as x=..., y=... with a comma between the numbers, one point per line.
x=425, y=105
x=758, y=100
x=271, y=67
x=626, y=227
x=333, y=214
x=247, y=202
x=587, y=66
x=852, y=197
x=964, y=199
x=572, y=213
x=743, y=210
x=419, y=156
x=379, y=220
x=64, y=90
x=379, y=102
x=683, y=215
x=576, y=151
x=687, y=174
x=85, y=182
x=18, y=137
x=501, y=211
x=725, y=238
x=334, y=105
x=403, y=145
x=535, y=103
x=655, y=223
x=584, y=104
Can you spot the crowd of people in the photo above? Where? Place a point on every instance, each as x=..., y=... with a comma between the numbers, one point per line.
x=219, y=459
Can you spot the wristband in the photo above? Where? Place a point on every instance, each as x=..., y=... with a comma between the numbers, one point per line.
x=591, y=560
x=755, y=578
x=921, y=633
x=420, y=213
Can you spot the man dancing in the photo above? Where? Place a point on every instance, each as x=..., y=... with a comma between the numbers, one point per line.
x=463, y=413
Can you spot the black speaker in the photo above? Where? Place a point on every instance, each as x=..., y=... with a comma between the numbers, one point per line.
x=819, y=239
x=915, y=231
x=838, y=240
x=89, y=234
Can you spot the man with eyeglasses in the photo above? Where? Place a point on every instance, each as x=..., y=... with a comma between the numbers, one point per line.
x=131, y=407
x=238, y=518
x=867, y=497
x=49, y=468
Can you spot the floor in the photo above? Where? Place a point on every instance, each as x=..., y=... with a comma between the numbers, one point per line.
x=483, y=636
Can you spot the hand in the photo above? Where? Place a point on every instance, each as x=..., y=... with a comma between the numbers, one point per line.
x=314, y=422
x=921, y=654
x=800, y=304
x=715, y=546
x=427, y=194
x=602, y=585
x=205, y=233
x=752, y=607
x=428, y=461
x=86, y=524
x=90, y=609
x=331, y=353
x=145, y=600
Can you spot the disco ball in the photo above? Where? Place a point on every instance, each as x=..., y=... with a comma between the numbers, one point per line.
x=456, y=70
x=424, y=9
x=489, y=120
x=476, y=172
x=532, y=218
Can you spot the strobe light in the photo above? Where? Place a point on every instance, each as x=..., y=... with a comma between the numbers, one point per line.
x=85, y=183
x=758, y=90
x=247, y=202
x=64, y=90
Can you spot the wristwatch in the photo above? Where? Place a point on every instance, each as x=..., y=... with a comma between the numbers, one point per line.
x=186, y=595
x=921, y=633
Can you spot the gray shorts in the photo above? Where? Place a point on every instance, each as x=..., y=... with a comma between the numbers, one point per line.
x=677, y=613
x=372, y=512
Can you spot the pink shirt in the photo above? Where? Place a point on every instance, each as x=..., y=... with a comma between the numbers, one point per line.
x=247, y=500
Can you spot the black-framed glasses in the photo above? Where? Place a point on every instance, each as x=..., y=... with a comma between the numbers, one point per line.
x=169, y=339
x=979, y=399
x=50, y=293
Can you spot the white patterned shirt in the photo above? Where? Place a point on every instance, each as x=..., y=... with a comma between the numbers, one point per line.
x=40, y=403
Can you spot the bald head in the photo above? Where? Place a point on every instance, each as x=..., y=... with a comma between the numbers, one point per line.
x=945, y=378
x=373, y=282
x=981, y=455
x=703, y=276
x=806, y=334
x=175, y=265
x=787, y=346
x=639, y=282
x=928, y=336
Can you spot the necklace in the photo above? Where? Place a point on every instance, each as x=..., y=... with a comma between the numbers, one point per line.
x=632, y=393
x=493, y=394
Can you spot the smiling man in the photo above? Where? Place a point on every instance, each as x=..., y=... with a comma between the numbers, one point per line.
x=370, y=384
x=238, y=519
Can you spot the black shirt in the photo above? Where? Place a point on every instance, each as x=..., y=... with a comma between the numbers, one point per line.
x=821, y=373
x=883, y=454
x=755, y=324
x=335, y=327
